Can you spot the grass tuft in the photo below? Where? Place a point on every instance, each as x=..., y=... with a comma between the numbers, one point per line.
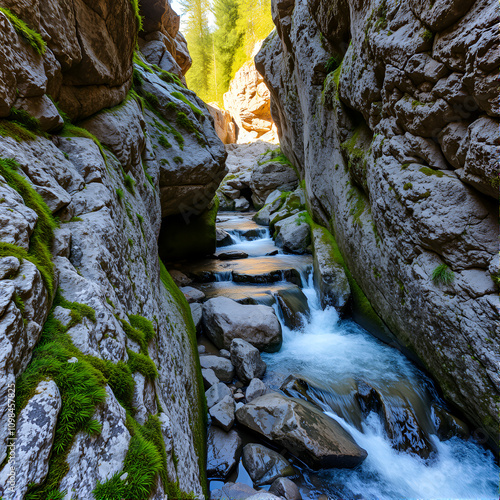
x=443, y=274
x=39, y=252
x=197, y=111
x=31, y=36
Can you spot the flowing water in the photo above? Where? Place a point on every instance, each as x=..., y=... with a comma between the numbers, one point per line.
x=333, y=355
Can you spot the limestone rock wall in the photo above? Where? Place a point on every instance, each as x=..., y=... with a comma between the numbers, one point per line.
x=248, y=102
x=87, y=46
x=389, y=110
x=72, y=312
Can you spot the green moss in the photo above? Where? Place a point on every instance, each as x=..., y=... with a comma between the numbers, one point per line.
x=381, y=14
x=166, y=127
x=184, y=122
x=178, y=160
x=197, y=111
x=80, y=384
x=71, y=130
x=163, y=141
x=152, y=100
x=137, y=77
x=423, y=196
x=443, y=274
x=15, y=130
x=22, y=117
x=427, y=35
x=416, y=103
x=332, y=64
x=199, y=422
x=18, y=301
x=39, y=252
x=430, y=171
x=408, y=185
x=136, y=9
x=144, y=325
x=137, y=60
x=31, y=36
x=119, y=194
x=141, y=363
x=171, y=78
x=129, y=183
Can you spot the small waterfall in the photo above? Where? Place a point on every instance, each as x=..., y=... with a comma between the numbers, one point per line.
x=334, y=356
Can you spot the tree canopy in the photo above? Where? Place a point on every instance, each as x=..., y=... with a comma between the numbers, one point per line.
x=219, y=51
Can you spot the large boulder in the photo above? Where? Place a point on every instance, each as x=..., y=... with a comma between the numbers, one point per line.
x=303, y=430
x=225, y=319
x=216, y=394
x=293, y=233
x=294, y=307
x=264, y=465
x=222, y=368
x=224, y=123
x=247, y=361
x=223, y=413
x=223, y=453
x=285, y=488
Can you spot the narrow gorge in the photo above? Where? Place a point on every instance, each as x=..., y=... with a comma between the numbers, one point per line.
x=290, y=293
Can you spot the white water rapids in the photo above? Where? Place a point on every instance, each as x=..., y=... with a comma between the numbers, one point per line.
x=332, y=354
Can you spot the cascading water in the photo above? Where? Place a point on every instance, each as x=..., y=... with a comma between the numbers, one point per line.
x=334, y=355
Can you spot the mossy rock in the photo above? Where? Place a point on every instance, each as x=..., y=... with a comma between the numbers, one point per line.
x=181, y=239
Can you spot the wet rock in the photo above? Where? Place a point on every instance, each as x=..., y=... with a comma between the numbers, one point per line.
x=201, y=349
x=272, y=205
x=224, y=319
x=223, y=238
x=34, y=435
x=448, y=425
x=293, y=304
x=222, y=368
x=223, y=452
x=233, y=491
x=285, y=488
x=231, y=255
x=225, y=353
x=368, y=398
x=223, y=413
x=197, y=314
x=294, y=233
x=303, y=430
x=264, y=465
x=329, y=274
x=180, y=279
x=255, y=389
x=246, y=361
x=297, y=387
x=209, y=378
x=8, y=266
x=217, y=393
x=192, y=294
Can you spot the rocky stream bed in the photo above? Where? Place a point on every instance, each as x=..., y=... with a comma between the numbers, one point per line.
x=304, y=402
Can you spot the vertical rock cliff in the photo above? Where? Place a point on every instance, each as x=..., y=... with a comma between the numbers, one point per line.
x=100, y=382
x=389, y=111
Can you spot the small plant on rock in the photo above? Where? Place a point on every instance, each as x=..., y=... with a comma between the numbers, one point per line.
x=443, y=274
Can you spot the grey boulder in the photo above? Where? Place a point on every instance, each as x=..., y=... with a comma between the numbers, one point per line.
x=294, y=233
x=264, y=465
x=285, y=488
x=222, y=367
x=223, y=413
x=303, y=430
x=247, y=361
x=217, y=393
x=223, y=452
x=225, y=319
x=255, y=389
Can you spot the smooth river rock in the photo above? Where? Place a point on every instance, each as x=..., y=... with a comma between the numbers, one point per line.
x=225, y=319
x=318, y=440
x=265, y=465
x=223, y=452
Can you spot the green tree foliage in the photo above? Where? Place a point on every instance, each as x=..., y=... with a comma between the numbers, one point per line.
x=218, y=53
x=199, y=41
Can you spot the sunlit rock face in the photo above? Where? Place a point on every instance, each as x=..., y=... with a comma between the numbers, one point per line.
x=389, y=111
x=248, y=102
